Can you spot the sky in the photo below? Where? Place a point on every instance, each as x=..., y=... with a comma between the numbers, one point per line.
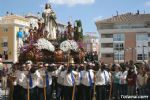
x=88, y=11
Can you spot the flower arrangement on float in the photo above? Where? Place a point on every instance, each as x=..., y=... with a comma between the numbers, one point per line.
x=44, y=44
x=69, y=45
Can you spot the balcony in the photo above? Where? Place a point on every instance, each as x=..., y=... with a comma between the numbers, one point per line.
x=106, y=50
x=106, y=40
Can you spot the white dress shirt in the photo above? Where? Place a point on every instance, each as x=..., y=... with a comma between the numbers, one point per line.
x=85, y=77
x=41, y=78
x=102, y=77
x=78, y=78
x=69, y=78
x=123, y=76
x=22, y=81
x=60, y=78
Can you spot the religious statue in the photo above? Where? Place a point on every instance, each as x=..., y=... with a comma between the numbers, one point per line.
x=70, y=35
x=20, y=38
x=50, y=23
x=40, y=30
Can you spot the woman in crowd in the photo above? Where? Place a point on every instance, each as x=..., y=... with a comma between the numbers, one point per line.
x=123, y=81
x=116, y=80
x=131, y=81
x=141, y=80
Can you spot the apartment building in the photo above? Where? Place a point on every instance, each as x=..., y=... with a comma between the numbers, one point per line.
x=125, y=37
x=91, y=42
x=9, y=26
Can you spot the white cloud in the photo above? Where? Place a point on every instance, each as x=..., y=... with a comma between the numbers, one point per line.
x=147, y=3
x=71, y=2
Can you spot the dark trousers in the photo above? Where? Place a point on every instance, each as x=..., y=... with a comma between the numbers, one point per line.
x=18, y=93
x=123, y=89
x=141, y=90
x=101, y=92
x=87, y=92
x=40, y=93
x=32, y=94
x=116, y=87
x=78, y=93
x=59, y=92
x=68, y=92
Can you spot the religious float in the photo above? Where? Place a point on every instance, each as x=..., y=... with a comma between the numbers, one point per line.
x=44, y=45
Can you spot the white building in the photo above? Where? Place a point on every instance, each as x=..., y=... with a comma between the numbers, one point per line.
x=91, y=42
x=33, y=19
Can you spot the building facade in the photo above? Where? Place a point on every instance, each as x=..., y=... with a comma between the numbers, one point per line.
x=9, y=26
x=91, y=42
x=125, y=37
x=33, y=20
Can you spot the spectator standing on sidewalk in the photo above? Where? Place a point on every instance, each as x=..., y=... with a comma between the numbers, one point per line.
x=4, y=77
x=123, y=81
x=116, y=80
x=1, y=67
x=141, y=81
x=131, y=81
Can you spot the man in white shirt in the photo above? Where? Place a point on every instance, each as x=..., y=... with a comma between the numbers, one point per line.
x=43, y=82
x=79, y=95
x=69, y=82
x=28, y=82
x=20, y=77
x=87, y=82
x=60, y=80
x=101, y=82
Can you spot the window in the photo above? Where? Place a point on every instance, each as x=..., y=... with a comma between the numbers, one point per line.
x=119, y=56
x=107, y=45
x=107, y=55
x=5, y=29
x=140, y=57
x=107, y=35
x=142, y=37
x=118, y=46
x=118, y=37
x=5, y=44
x=149, y=44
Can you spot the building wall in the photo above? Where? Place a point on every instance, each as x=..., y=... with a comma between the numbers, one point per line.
x=132, y=46
x=12, y=25
x=130, y=42
x=9, y=35
x=91, y=43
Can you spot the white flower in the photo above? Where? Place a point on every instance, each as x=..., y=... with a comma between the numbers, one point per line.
x=69, y=45
x=45, y=44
